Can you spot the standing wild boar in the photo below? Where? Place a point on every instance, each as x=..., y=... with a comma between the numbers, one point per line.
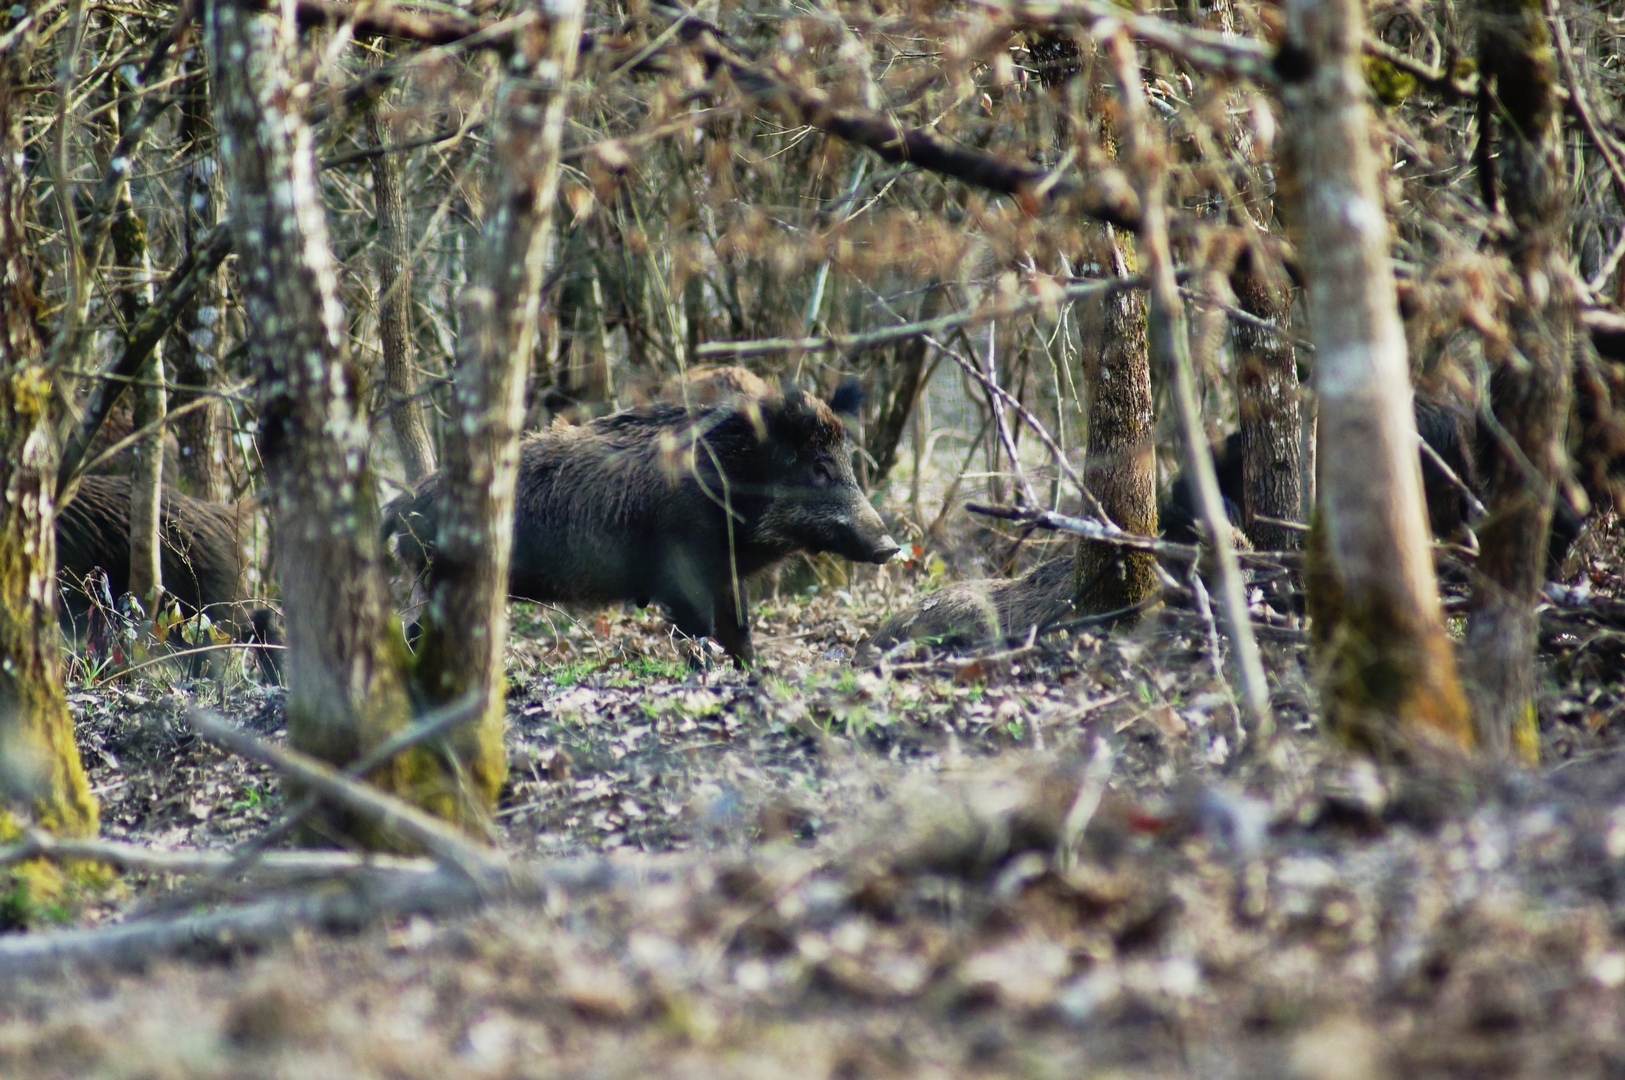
x=673, y=505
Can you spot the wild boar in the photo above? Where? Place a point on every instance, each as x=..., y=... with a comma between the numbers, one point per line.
x=674, y=505
x=972, y=613
x=1448, y=432
x=202, y=558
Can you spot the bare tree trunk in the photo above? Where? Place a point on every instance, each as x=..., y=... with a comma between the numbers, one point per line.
x=346, y=661
x=194, y=349
x=467, y=619
x=1389, y=673
x=392, y=256
x=1121, y=462
x=1531, y=385
x=39, y=763
x=1271, y=412
x=147, y=398
x=903, y=382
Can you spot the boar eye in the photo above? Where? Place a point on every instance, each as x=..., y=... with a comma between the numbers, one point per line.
x=821, y=474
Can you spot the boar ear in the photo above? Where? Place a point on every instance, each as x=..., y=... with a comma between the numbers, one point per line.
x=848, y=397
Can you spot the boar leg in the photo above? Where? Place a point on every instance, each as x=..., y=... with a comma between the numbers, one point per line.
x=692, y=620
x=733, y=624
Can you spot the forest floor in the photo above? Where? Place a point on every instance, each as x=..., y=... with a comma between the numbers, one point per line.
x=1049, y=861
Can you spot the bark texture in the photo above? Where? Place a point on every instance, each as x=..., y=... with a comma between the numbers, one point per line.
x=392, y=257
x=346, y=659
x=1531, y=383
x=1120, y=464
x=39, y=763
x=1387, y=667
x=467, y=618
x=194, y=348
x=1271, y=409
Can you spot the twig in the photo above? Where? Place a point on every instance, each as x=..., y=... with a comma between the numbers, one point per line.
x=279, y=865
x=1603, y=141
x=1478, y=509
x=1096, y=775
x=942, y=324
x=268, y=921
x=995, y=391
x=169, y=417
x=431, y=726
x=178, y=291
x=1226, y=54
x=182, y=654
x=1104, y=196
x=385, y=812
x=1089, y=529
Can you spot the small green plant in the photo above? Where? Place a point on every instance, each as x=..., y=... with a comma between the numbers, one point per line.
x=574, y=672
x=252, y=797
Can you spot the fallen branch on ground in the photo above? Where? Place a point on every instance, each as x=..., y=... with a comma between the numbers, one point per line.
x=370, y=898
x=278, y=865
x=484, y=866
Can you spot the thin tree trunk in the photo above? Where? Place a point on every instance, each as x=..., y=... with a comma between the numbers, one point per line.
x=466, y=622
x=147, y=398
x=1531, y=384
x=1120, y=464
x=1271, y=412
x=346, y=662
x=194, y=349
x=392, y=256
x=39, y=764
x=1389, y=677
x=904, y=380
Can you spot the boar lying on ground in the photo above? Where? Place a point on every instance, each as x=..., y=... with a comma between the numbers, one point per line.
x=202, y=558
x=971, y=613
x=673, y=505
x=1446, y=430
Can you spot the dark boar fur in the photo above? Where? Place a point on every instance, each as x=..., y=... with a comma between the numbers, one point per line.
x=202, y=558
x=1449, y=432
x=972, y=613
x=673, y=505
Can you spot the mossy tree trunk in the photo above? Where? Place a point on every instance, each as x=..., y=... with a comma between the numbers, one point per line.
x=466, y=623
x=1388, y=672
x=39, y=763
x=1531, y=383
x=346, y=659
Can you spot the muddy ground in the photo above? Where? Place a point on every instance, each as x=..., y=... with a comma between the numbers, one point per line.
x=1045, y=861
